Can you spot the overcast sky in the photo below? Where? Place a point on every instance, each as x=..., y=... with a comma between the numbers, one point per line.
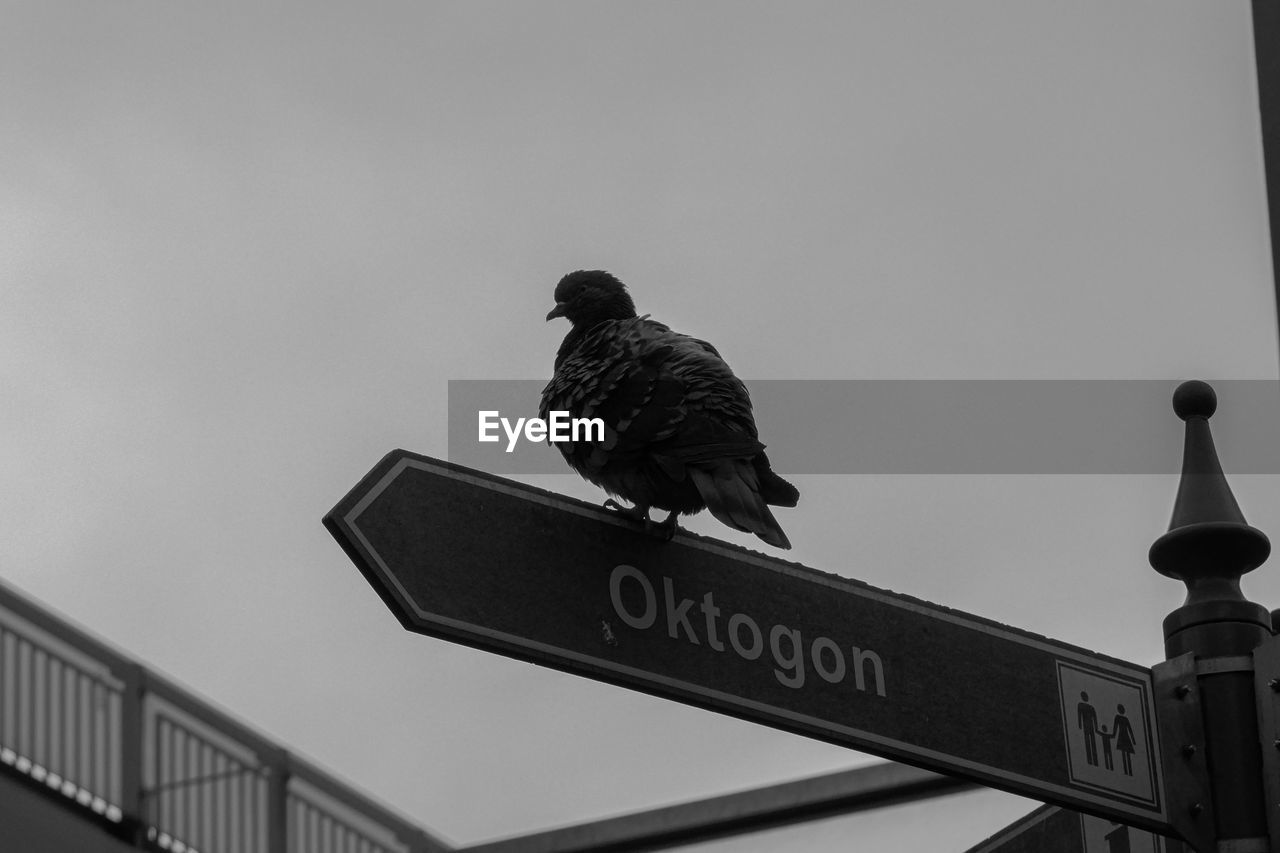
x=243, y=247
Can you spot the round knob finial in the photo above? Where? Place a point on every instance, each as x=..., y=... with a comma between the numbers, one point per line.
x=1194, y=399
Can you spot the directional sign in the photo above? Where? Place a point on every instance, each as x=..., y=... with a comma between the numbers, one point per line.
x=497, y=565
x=1053, y=830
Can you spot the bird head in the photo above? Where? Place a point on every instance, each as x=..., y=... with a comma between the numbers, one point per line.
x=587, y=297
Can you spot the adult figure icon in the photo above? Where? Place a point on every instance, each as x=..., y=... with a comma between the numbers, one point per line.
x=1125, y=741
x=1087, y=722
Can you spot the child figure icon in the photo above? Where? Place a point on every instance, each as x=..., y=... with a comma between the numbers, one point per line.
x=1106, y=747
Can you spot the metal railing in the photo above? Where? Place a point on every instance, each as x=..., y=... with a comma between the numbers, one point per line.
x=60, y=721
x=169, y=770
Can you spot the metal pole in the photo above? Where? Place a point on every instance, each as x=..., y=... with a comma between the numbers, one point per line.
x=1208, y=547
x=131, y=722
x=1266, y=38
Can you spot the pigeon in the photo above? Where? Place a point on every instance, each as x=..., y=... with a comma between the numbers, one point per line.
x=678, y=430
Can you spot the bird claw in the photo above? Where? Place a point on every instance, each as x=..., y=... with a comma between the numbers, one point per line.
x=664, y=530
x=635, y=513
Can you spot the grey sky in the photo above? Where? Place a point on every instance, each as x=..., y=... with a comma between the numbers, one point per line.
x=244, y=247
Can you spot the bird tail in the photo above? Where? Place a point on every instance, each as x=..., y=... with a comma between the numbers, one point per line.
x=732, y=492
x=774, y=489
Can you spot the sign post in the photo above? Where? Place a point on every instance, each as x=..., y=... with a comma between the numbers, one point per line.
x=1216, y=632
x=497, y=565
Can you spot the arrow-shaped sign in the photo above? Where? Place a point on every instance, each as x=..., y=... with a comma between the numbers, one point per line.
x=497, y=565
x=1050, y=829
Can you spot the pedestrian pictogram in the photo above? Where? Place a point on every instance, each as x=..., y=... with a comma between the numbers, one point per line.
x=1108, y=740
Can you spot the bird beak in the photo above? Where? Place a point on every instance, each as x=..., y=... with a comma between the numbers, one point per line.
x=558, y=311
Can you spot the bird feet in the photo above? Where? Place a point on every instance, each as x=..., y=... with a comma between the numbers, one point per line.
x=664, y=530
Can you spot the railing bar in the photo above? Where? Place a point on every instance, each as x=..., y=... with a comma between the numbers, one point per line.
x=97, y=698
x=247, y=824
x=23, y=671
x=37, y=758
x=62, y=718
x=84, y=720
x=155, y=799
x=171, y=772
x=203, y=751
x=215, y=803
x=227, y=830
x=249, y=802
x=29, y=724
x=180, y=772
x=53, y=713
x=191, y=745
x=5, y=672
x=224, y=827
x=91, y=721
x=73, y=733
x=45, y=738
x=101, y=710
x=15, y=701
x=118, y=758
x=198, y=791
x=84, y=706
x=171, y=759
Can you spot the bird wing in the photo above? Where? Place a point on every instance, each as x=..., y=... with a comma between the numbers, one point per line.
x=660, y=394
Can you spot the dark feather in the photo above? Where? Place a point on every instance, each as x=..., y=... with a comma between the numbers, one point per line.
x=679, y=433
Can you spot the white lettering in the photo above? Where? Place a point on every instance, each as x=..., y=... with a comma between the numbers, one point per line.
x=794, y=661
x=558, y=426
x=836, y=674
x=487, y=423
x=512, y=434
x=677, y=615
x=592, y=427
x=858, y=657
x=650, y=614
x=789, y=654
x=736, y=621
x=710, y=610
